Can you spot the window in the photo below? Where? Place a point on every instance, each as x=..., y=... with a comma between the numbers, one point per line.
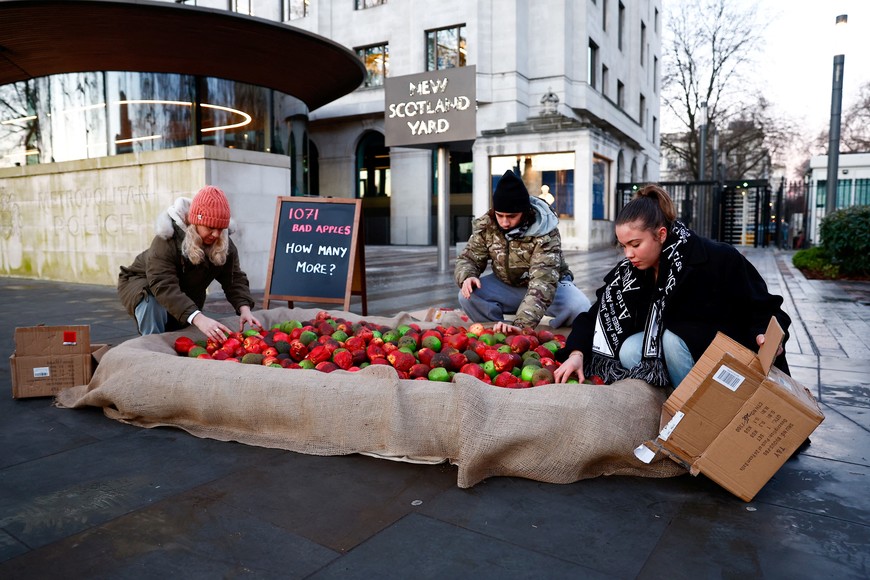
x=243, y=7
x=656, y=21
x=96, y=114
x=363, y=4
x=600, y=187
x=656, y=75
x=844, y=193
x=445, y=48
x=604, y=16
x=592, y=64
x=605, y=79
x=821, y=192
x=621, y=24
x=297, y=9
x=642, y=110
x=620, y=94
x=655, y=131
x=377, y=62
x=642, y=44
x=555, y=170
x=373, y=166
x=862, y=192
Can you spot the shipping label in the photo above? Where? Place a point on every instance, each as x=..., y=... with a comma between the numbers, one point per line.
x=728, y=378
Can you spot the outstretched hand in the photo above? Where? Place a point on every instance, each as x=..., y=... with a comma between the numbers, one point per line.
x=211, y=328
x=468, y=286
x=246, y=317
x=572, y=365
x=505, y=328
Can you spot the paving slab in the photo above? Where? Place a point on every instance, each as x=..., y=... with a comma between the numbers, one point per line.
x=84, y=496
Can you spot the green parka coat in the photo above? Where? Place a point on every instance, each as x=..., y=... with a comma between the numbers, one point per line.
x=176, y=283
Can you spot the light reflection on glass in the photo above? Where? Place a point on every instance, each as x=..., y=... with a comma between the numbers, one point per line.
x=65, y=117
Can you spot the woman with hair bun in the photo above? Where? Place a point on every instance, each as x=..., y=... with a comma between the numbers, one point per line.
x=662, y=305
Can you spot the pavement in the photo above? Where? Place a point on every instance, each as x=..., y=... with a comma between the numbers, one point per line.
x=84, y=496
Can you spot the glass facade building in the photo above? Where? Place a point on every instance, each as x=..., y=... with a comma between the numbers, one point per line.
x=86, y=115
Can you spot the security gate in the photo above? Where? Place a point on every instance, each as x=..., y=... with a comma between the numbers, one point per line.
x=735, y=212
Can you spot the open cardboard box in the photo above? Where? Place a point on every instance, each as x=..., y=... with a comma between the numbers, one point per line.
x=735, y=418
x=50, y=358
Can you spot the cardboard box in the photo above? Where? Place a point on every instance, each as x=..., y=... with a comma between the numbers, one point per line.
x=736, y=418
x=441, y=316
x=50, y=358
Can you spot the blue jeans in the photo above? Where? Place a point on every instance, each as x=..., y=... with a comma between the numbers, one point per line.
x=678, y=359
x=151, y=316
x=494, y=299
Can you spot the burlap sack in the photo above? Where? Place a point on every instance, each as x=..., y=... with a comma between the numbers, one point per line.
x=555, y=433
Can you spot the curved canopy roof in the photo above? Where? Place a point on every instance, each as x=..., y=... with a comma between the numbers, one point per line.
x=45, y=37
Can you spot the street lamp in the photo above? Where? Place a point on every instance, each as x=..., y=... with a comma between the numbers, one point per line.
x=703, y=141
x=836, y=109
x=715, y=156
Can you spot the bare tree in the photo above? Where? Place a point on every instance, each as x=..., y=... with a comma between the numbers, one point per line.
x=855, y=131
x=706, y=57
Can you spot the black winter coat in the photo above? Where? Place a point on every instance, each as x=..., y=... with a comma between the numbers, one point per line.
x=718, y=291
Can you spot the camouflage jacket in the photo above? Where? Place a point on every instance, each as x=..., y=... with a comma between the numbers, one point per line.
x=534, y=261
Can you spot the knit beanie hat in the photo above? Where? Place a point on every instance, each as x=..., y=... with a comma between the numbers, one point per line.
x=209, y=208
x=511, y=195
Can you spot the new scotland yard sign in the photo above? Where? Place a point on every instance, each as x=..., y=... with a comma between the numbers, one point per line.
x=430, y=108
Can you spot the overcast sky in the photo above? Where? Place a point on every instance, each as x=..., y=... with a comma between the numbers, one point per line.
x=799, y=54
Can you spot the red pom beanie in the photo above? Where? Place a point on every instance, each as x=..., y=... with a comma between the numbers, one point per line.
x=210, y=208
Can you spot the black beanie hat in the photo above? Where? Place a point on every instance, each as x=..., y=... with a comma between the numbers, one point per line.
x=511, y=195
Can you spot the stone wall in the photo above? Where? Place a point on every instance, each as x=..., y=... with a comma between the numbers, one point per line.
x=79, y=221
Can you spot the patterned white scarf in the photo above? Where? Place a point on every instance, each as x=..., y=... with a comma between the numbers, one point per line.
x=616, y=321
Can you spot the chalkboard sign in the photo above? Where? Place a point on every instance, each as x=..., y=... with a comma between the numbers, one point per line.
x=316, y=252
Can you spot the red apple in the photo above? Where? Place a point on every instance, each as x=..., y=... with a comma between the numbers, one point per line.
x=375, y=351
x=253, y=344
x=477, y=328
x=545, y=335
x=401, y=361
x=183, y=344
x=319, y=354
x=355, y=343
x=425, y=355
x=342, y=358
x=457, y=341
x=359, y=357
x=504, y=362
x=457, y=360
x=298, y=350
x=419, y=370
x=544, y=352
x=505, y=379
x=326, y=366
x=473, y=370
x=520, y=344
x=490, y=354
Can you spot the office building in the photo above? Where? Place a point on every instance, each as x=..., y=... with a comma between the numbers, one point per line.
x=567, y=94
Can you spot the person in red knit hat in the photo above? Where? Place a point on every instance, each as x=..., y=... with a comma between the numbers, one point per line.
x=164, y=288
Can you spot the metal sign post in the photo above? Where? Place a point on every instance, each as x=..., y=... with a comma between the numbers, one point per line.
x=443, y=209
